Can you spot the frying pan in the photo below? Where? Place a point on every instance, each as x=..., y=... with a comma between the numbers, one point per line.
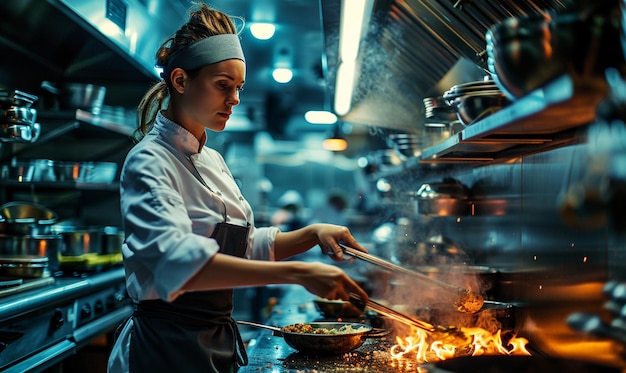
x=323, y=344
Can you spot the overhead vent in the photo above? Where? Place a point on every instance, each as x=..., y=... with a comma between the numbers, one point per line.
x=412, y=45
x=116, y=13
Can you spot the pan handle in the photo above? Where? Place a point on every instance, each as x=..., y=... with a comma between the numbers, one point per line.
x=276, y=330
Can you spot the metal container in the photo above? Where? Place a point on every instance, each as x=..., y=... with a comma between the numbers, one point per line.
x=82, y=241
x=83, y=96
x=86, y=172
x=112, y=240
x=30, y=170
x=26, y=218
x=9, y=98
x=446, y=198
x=25, y=133
x=24, y=266
x=32, y=246
x=18, y=115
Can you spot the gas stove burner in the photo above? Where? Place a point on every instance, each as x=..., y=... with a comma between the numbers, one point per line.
x=517, y=364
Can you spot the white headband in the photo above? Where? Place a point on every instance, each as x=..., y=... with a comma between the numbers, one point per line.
x=206, y=51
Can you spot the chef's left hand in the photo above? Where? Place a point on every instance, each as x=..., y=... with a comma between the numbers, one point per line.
x=330, y=236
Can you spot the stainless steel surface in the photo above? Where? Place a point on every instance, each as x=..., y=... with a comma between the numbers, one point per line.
x=395, y=71
x=44, y=324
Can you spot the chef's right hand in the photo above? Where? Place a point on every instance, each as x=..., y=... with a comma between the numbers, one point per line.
x=329, y=282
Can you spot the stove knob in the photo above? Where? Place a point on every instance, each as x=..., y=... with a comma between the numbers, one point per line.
x=57, y=320
x=98, y=307
x=85, y=311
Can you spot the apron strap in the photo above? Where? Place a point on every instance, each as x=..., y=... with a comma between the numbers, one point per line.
x=242, y=355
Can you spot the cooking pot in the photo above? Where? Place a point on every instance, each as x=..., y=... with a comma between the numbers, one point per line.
x=446, y=198
x=26, y=218
x=526, y=52
x=48, y=246
x=112, y=240
x=82, y=241
x=515, y=364
x=323, y=344
x=24, y=266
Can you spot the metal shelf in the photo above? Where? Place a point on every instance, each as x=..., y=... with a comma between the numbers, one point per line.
x=117, y=124
x=63, y=185
x=547, y=118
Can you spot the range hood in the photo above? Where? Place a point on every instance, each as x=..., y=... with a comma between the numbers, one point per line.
x=419, y=48
x=104, y=41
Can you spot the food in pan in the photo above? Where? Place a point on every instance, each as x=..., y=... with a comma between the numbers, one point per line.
x=469, y=302
x=310, y=329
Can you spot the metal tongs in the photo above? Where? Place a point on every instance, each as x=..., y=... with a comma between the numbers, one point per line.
x=392, y=314
x=464, y=299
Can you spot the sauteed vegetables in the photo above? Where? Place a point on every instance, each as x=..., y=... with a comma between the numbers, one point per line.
x=310, y=329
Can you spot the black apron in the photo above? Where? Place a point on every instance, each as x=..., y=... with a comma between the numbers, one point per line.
x=195, y=332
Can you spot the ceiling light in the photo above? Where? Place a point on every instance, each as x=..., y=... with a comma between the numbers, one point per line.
x=353, y=16
x=320, y=117
x=282, y=75
x=262, y=31
x=336, y=142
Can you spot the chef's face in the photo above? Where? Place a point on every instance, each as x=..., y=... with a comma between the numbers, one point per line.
x=209, y=97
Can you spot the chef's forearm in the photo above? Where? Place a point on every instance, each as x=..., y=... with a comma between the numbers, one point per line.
x=288, y=244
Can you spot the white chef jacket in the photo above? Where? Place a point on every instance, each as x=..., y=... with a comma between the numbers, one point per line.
x=174, y=190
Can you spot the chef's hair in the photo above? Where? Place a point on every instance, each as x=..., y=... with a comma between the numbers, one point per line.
x=204, y=22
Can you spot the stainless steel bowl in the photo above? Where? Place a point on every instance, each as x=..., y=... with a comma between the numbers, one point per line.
x=83, y=96
x=473, y=107
x=26, y=218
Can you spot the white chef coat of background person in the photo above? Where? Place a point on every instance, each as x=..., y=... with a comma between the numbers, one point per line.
x=190, y=237
x=289, y=216
x=333, y=211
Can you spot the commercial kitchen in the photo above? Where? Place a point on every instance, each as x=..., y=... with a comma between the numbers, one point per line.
x=482, y=154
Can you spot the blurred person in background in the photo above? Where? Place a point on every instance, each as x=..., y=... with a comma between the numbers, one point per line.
x=288, y=216
x=333, y=211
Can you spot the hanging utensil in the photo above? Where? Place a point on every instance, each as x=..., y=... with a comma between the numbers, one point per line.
x=464, y=299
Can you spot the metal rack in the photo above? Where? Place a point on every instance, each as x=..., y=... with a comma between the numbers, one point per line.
x=544, y=119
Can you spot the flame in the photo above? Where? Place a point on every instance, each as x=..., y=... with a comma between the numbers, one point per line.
x=437, y=346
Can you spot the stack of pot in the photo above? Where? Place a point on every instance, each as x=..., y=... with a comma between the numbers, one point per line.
x=18, y=117
x=28, y=248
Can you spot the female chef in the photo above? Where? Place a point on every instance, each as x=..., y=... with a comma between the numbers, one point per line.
x=190, y=234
